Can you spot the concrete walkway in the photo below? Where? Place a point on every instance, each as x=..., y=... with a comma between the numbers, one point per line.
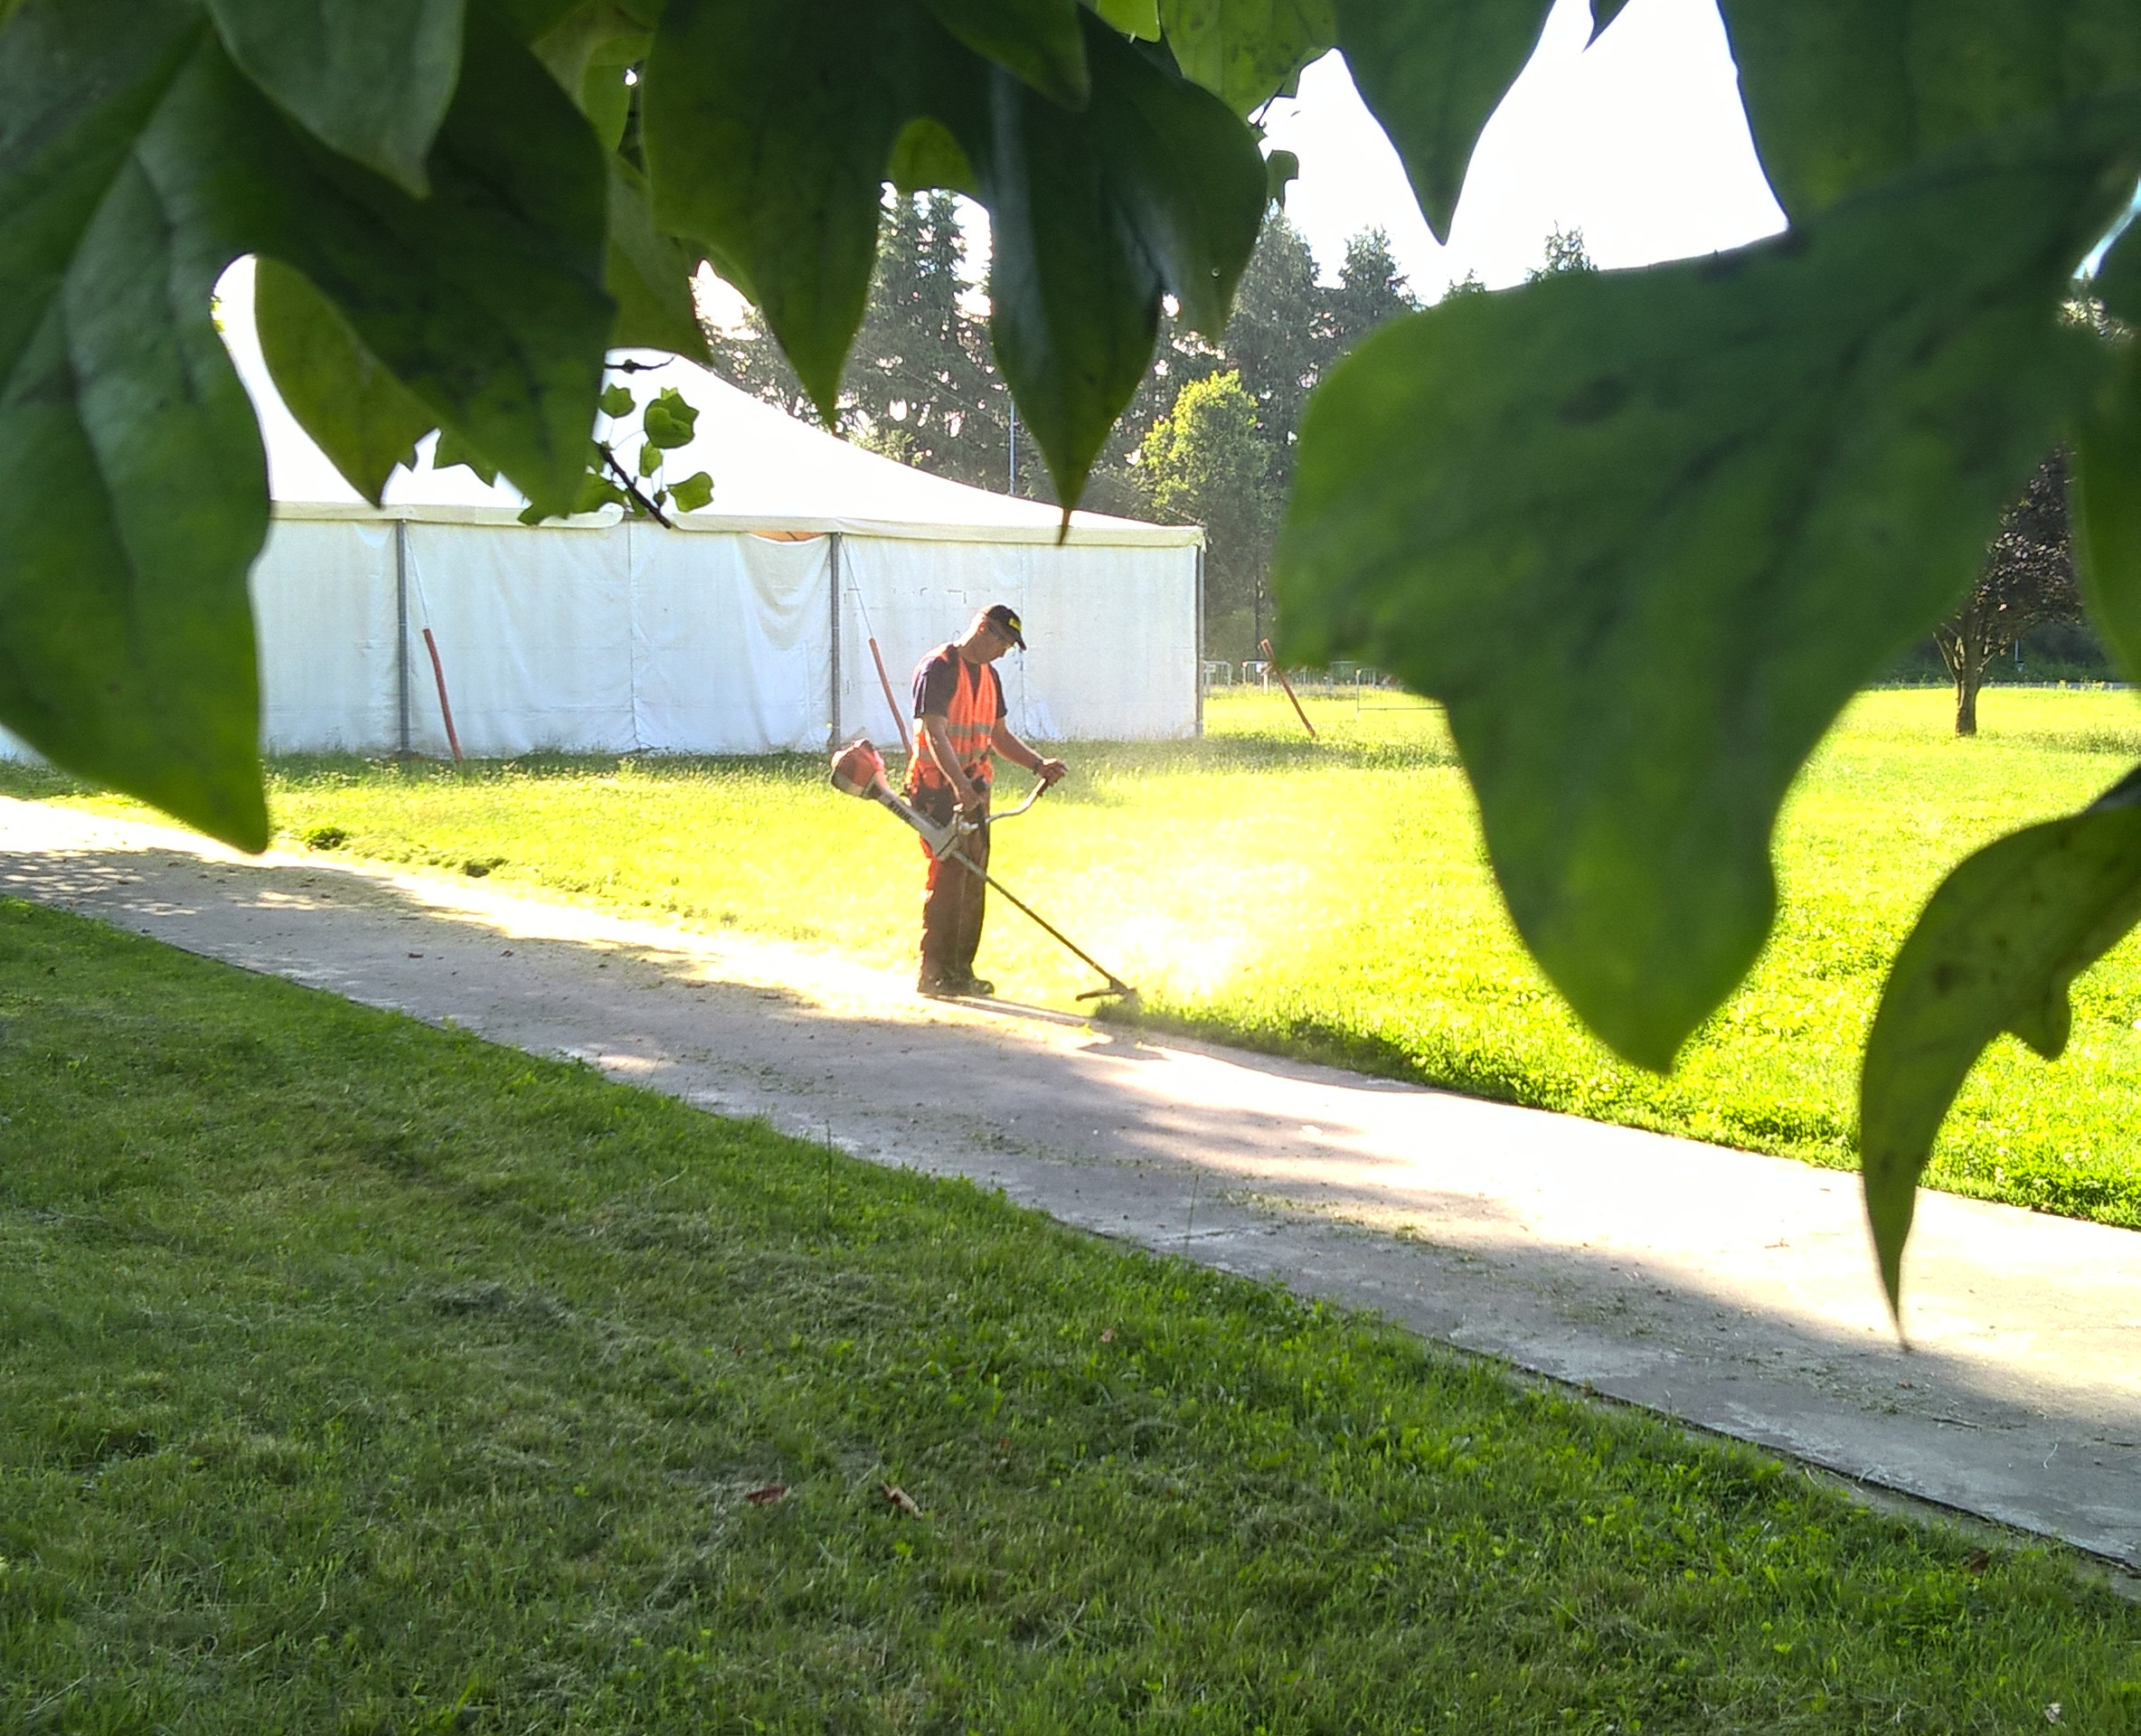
x=1733, y=1290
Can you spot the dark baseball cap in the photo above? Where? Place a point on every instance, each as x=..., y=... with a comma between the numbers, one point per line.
x=1004, y=619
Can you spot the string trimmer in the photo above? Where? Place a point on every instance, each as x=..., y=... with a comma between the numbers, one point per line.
x=858, y=769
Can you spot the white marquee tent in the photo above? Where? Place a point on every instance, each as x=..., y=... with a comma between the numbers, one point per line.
x=744, y=630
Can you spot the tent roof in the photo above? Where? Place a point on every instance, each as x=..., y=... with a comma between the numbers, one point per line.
x=770, y=471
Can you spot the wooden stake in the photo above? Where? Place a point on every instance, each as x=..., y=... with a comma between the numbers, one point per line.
x=1289, y=686
x=445, y=708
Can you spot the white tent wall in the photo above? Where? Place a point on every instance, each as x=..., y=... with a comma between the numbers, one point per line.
x=1111, y=631
x=588, y=638
x=731, y=640
x=615, y=638
x=605, y=636
x=327, y=586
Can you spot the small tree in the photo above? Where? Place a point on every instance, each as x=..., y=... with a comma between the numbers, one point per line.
x=2027, y=580
x=1207, y=462
x=1565, y=251
x=1370, y=289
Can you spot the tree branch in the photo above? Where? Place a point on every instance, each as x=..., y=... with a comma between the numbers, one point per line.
x=632, y=488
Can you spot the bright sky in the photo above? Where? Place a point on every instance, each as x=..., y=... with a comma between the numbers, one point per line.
x=1639, y=140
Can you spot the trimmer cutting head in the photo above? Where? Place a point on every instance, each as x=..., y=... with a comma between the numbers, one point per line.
x=858, y=769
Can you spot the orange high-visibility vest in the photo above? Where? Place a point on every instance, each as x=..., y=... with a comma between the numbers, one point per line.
x=970, y=720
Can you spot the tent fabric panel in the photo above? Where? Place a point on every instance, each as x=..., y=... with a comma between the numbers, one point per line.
x=533, y=630
x=1087, y=531
x=1111, y=632
x=324, y=613
x=731, y=643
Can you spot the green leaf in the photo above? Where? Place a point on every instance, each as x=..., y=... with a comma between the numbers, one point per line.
x=1603, y=13
x=2105, y=501
x=1243, y=51
x=669, y=421
x=133, y=488
x=371, y=79
x=927, y=155
x=616, y=401
x=606, y=100
x=594, y=493
x=363, y=419
x=649, y=274
x=1844, y=93
x=694, y=494
x=1138, y=18
x=768, y=129
x=531, y=21
x=1996, y=949
x=1039, y=41
x=1157, y=188
x=136, y=162
x=485, y=299
x=572, y=41
x=1280, y=168
x=1432, y=71
x=1645, y=533
x=1133, y=18
x=453, y=449
x=650, y=458
x=2118, y=282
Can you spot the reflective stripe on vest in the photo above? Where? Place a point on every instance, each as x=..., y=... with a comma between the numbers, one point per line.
x=970, y=720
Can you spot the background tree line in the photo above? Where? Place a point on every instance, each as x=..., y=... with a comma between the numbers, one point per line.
x=1208, y=439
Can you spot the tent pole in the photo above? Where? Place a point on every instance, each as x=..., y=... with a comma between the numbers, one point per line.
x=1200, y=641
x=833, y=698
x=401, y=637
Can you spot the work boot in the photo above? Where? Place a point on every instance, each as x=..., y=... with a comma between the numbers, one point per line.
x=938, y=988
x=977, y=985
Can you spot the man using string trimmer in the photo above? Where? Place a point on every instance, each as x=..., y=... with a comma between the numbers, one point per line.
x=960, y=711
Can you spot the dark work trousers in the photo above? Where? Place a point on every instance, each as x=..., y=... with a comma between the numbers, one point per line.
x=952, y=906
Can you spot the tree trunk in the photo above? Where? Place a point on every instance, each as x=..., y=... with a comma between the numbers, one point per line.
x=1969, y=676
x=1961, y=638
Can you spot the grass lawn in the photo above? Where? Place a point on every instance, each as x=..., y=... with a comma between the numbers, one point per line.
x=1331, y=898
x=360, y=1377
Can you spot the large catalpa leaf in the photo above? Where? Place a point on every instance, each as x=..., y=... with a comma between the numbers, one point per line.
x=1138, y=18
x=571, y=38
x=1431, y=71
x=485, y=299
x=136, y=162
x=2105, y=500
x=369, y=79
x=1244, y=50
x=133, y=489
x=2118, y=282
x=1647, y=532
x=768, y=129
x=1844, y=93
x=1996, y=949
x=1154, y=189
x=769, y=133
x=649, y=274
x=363, y=419
x=1039, y=41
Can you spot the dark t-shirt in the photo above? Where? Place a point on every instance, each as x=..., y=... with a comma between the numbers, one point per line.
x=937, y=680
